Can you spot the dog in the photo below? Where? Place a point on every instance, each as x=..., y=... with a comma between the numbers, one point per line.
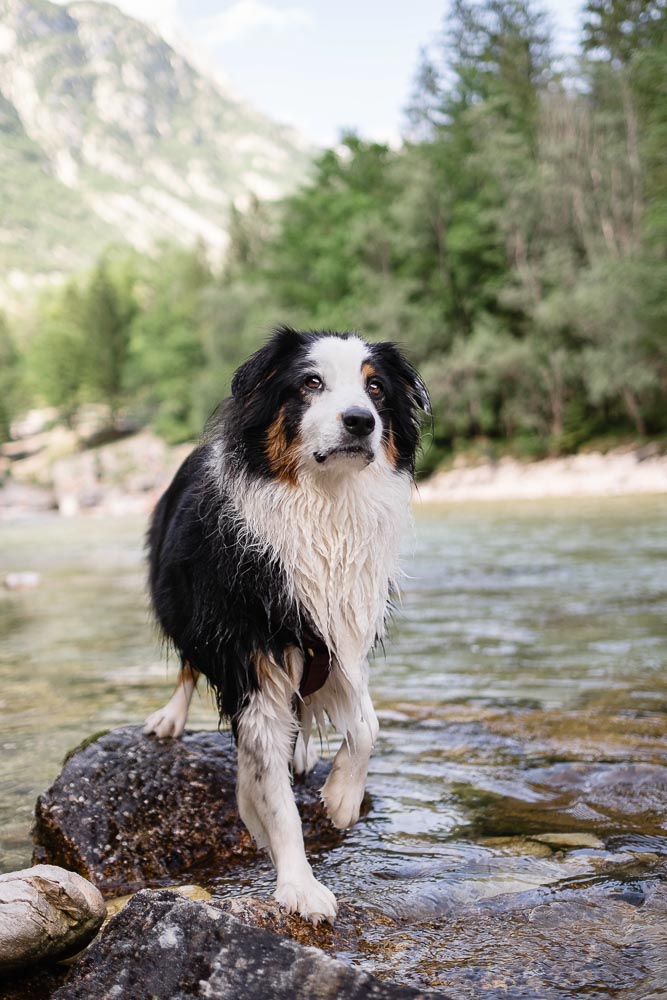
x=273, y=562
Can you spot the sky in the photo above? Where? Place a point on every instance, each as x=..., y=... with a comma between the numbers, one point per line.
x=320, y=65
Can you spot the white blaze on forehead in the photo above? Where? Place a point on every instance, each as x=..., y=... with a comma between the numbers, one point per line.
x=339, y=361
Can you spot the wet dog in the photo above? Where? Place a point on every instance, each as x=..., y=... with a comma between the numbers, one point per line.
x=273, y=560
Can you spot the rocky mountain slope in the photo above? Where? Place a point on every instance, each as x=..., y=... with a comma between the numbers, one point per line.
x=107, y=133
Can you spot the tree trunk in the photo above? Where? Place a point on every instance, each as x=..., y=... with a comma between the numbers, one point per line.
x=632, y=406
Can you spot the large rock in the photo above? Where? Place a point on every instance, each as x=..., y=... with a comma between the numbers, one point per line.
x=46, y=913
x=168, y=948
x=129, y=810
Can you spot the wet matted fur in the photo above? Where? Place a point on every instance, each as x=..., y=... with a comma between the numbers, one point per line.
x=273, y=557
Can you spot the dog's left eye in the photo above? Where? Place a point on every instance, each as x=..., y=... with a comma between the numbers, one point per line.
x=313, y=383
x=374, y=388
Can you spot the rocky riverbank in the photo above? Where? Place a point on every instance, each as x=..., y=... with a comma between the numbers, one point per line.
x=620, y=472
x=58, y=470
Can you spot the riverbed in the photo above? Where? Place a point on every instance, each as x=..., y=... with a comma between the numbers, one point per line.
x=517, y=834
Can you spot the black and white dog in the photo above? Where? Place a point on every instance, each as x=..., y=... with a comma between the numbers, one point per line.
x=273, y=559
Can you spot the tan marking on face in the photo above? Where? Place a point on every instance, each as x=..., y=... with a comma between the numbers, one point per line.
x=390, y=447
x=283, y=458
x=368, y=370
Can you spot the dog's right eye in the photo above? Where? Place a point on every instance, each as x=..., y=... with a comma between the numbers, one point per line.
x=312, y=383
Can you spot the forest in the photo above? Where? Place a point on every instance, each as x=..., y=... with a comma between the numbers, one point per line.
x=514, y=245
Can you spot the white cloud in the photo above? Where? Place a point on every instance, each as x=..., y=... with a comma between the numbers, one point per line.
x=247, y=17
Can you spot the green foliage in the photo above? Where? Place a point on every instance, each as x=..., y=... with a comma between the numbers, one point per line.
x=57, y=359
x=10, y=376
x=515, y=246
x=165, y=350
x=79, y=349
x=106, y=312
x=617, y=29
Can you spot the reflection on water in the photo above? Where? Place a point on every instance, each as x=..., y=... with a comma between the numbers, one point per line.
x=520, y=780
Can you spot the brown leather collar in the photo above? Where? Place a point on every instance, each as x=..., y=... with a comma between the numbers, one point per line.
x=316, y=666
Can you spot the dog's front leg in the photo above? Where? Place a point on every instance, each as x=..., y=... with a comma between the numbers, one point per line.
x=170, y=720
x=266, y=731
x=352, y=713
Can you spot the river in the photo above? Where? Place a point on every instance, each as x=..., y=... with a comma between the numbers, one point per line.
x=519, y=786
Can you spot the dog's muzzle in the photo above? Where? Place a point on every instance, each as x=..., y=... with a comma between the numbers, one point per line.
x=358, y=423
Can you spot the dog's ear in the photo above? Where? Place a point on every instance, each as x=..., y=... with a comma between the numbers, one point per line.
x=421, y=396
x=393, y=359
x=264, y=363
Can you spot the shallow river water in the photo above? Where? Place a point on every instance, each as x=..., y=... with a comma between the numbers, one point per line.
x=518, y=826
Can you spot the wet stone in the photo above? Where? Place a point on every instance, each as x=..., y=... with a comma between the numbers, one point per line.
x=128, y=810
x=46, y=913
x=197, y=893
x=353, y=924
x=570, y=841
x=570, y=799
x=164, y=946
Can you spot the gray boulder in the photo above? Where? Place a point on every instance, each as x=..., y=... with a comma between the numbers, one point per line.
x=169, y=948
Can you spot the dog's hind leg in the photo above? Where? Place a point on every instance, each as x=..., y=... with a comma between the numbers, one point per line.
x=266, y=728
x=305, y=751
x=170, y=720
x=353, y=715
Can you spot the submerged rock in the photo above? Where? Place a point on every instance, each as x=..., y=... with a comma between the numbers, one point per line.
x=560, y=803
x=129, y=810
x=169, y=948
x=579, y=938
x=46, y=913
x=569, y=841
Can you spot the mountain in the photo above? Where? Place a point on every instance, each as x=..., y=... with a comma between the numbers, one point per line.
x=108, y=133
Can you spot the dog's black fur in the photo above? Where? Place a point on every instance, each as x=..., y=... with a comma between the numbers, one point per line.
x=218, y=600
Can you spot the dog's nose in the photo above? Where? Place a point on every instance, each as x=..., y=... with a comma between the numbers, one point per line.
x=359, y=421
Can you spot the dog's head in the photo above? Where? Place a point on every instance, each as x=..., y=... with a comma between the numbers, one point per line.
x=326, y=403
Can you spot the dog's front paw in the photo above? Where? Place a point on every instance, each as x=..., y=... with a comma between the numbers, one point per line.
x=342, y=797
x=166, y=722
x=307, y=897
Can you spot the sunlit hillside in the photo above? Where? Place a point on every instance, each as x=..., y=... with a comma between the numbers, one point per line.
x=110, y=135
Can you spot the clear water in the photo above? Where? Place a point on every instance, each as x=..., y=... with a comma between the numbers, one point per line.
x=532, y=638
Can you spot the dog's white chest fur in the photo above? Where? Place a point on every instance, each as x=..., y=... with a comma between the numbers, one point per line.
x=337, y=539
